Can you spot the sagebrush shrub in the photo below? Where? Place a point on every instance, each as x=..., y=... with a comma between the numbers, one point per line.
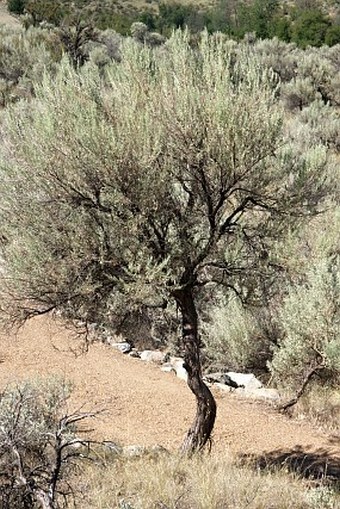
x=310, y=318
x=24, y=57
x=233, y=338
x=37, y=437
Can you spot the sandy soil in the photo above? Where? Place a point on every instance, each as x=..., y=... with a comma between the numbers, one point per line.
x=142, y=404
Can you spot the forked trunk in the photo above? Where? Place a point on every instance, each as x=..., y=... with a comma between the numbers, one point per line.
x=201, y=429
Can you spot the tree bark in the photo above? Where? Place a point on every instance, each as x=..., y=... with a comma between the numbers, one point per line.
x=200, y=431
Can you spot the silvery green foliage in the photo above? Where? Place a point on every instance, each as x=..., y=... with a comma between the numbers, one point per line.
x=115, y=187
x=112, y=41
x=323, y=124
x=24, y=56
x=278, y=55
x=106, y=49
x=323, y=68
x=310, y=318
x=299, y=93
x=139, y=31
x=28, y=411
x=233, y=339
x=305, y=75
x=308, y=315
x=30, y=434
x=322, y=496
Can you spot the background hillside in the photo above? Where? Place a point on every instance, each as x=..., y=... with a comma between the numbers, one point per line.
x=306, y=22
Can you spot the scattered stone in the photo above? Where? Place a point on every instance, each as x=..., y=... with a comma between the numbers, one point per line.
x=214, y=378
x=223, y=387
x=134, y=353
x=153, y=356
x=260, y=394
x=245, y=385
x=122, y=346
x=178, y=365
x=248, y=381
x=222, y=378
x=167, y=368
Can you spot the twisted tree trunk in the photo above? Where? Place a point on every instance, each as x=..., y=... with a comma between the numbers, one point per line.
x=201, y=429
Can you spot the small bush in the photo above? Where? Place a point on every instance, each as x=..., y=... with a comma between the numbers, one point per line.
x=333, y=35
x=310, y=318
x=323, y=124
x=37, y=440
x=233, y=339
x=24, y=56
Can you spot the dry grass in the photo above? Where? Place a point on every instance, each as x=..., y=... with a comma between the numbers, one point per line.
x=321, y=405
x=208, y=482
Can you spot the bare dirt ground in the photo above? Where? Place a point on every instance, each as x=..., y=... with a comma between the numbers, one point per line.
x=6, y=18
x=144, y=405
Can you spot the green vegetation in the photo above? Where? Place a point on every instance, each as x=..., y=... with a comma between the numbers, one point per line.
x=16, y=6
x=304, y=25
x=210, y=482
x=38, y=445
x=144, y=208
x=45, y=464
x=199, y=173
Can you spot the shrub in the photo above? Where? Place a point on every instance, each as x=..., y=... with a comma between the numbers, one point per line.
x=299, y=93
x=323, y=124
x=233, y=338
x=332, y=36
x=310, y=318
x=310, y=28
x=52, y=11
x=37, y=445
x=16, y=6
x=24, y=56
x=142, y=190
x=279, y=56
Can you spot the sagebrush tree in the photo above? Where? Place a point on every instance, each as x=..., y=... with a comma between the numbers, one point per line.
x=165, y=177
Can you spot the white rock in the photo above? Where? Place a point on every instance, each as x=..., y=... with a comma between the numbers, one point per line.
x=223, y=387
x=266, y=394
x=134, y=353
x=152, y=356
x=214, y=377
x=249, y=381
x=177, y=364
x=168, y=368
x=122, y=346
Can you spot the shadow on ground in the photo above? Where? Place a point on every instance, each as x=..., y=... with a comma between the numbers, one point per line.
x=317, y=465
